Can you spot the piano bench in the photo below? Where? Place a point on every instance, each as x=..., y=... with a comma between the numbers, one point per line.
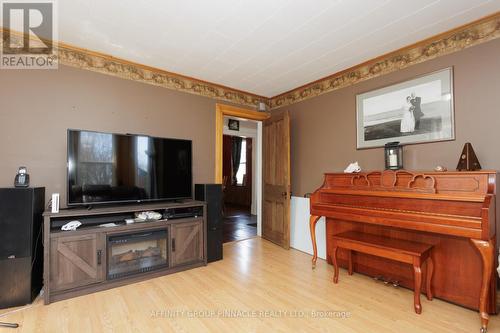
x=395, y=249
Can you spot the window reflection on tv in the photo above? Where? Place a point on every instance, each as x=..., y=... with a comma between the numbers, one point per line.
x=108, y=168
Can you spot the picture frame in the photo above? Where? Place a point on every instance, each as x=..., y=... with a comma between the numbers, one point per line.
x=418, y=110
x=233, y=124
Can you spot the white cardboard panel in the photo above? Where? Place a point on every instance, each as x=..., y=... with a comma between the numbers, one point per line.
x=300, y=237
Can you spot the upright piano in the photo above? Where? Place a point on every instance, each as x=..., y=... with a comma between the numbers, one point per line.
x=453, y=211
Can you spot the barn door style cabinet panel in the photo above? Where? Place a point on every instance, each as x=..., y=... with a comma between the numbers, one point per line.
x=96, y=257
x=187, y=240
x=76, y=261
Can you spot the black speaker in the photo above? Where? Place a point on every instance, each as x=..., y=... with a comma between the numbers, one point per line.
x=21, y=245
x=212, y=195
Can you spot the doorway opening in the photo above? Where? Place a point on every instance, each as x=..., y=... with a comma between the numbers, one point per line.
x=238, y=167
x=239, y=159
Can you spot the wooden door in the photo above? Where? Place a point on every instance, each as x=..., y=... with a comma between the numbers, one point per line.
x=276, y=179
x=187, y=242
x=76, y=261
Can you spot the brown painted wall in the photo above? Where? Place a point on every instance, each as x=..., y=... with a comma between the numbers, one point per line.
x=37, y=107
x=323, y=129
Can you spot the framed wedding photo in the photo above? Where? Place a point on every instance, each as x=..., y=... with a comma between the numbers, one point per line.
x=415, y=111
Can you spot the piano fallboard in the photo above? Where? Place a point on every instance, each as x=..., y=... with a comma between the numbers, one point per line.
x=414, y=201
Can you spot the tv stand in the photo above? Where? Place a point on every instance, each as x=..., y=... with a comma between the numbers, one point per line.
x=94, y=257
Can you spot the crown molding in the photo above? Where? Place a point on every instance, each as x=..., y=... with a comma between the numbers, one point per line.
x=475, y=33
x=73, y=56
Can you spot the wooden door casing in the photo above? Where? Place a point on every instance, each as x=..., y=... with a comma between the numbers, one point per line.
x=76, y=261
x=187, y=243
x=276, y=179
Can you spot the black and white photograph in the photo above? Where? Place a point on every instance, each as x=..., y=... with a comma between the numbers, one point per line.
x=233, y=125
x=415, y=111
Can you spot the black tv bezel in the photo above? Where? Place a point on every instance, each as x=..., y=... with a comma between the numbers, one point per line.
x=122, y=202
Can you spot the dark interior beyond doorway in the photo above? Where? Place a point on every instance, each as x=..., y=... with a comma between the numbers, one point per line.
x=237, y=178
x=237, y=170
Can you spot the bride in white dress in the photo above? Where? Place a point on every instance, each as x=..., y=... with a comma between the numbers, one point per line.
x=408, y=121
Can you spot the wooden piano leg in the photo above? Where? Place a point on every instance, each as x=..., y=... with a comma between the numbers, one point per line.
x=417, y=270
x=349, y=253
x=428, y=278
x=312, y=227
x=486, y=249
x=335, y=265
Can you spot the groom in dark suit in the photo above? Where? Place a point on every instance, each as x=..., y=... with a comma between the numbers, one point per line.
x=417, y=111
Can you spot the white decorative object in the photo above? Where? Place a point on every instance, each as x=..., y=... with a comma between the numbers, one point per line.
x=353, y=167
x=73, y=225
x=440, y=168
x=55, y=203
x=147, y=216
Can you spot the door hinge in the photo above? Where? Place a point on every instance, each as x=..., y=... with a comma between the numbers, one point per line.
x=99, y=257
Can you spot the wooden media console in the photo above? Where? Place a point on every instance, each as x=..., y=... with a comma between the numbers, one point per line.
x=96, y=257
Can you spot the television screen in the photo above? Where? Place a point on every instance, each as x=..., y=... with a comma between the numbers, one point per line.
x=108, y=168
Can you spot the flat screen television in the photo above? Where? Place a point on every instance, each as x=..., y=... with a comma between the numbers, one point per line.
x=108, y=168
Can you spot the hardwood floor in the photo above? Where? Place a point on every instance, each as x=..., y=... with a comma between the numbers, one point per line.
x=255, y=275
x=239, y=224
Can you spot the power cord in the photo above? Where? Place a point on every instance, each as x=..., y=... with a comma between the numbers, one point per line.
x=36, y=245
x=16, y=325
x=11, y=325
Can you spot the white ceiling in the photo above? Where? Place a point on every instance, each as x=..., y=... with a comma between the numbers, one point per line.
x=266, y=47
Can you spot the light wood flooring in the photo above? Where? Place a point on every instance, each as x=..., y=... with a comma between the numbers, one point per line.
x=258, y=276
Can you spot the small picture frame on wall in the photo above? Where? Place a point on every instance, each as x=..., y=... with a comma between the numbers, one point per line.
x=415, y=111
x=233, y=124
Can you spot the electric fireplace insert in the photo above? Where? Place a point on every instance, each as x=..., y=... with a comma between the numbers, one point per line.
x=136, y=252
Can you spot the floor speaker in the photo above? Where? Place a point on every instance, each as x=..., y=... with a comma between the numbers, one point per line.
x=212, y=195
x=21, y=245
